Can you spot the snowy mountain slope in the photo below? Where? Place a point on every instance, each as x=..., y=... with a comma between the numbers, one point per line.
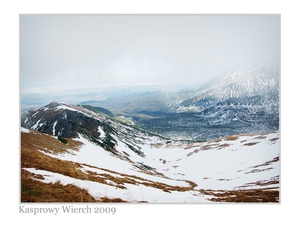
x=233, y=163
x=262, y=80
x=105, y=175
x=241, y=101
x=193, y=173
x=70, y=121
x=113, y=160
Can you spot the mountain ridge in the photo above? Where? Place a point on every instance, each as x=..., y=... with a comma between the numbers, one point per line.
x=262, y=80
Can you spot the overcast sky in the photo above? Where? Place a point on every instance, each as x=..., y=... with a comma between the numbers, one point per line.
x=68, y=51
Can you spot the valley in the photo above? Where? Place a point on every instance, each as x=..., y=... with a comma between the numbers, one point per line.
x=218, y=142
x=111, y=161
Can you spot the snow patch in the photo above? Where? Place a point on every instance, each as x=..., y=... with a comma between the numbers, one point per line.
x=102, y=133
x=53, y=129
x=25, y=130
x=132, y=193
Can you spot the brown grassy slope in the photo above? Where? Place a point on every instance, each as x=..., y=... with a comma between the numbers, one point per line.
x=31, y=157
x=256, y=195
x=35, y=143
x=36, y=191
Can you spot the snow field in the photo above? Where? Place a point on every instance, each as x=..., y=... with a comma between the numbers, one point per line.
x=232, y=163
x=133, y=193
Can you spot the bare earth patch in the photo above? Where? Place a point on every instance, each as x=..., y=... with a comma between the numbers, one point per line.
x=250, y=144
x=258, y=195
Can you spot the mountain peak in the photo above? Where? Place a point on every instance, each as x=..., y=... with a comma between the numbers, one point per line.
x=55, y=104
x=256, y=81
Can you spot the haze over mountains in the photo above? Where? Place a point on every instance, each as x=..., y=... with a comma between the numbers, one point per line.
x=217, y=142
x=239, y=101
x=149, y=108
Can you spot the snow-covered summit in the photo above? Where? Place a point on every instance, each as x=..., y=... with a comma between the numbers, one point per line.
x=242, y=85
x=260, y=80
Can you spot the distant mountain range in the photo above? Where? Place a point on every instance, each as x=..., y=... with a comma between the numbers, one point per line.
x=261, y=81
x=240, y=101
